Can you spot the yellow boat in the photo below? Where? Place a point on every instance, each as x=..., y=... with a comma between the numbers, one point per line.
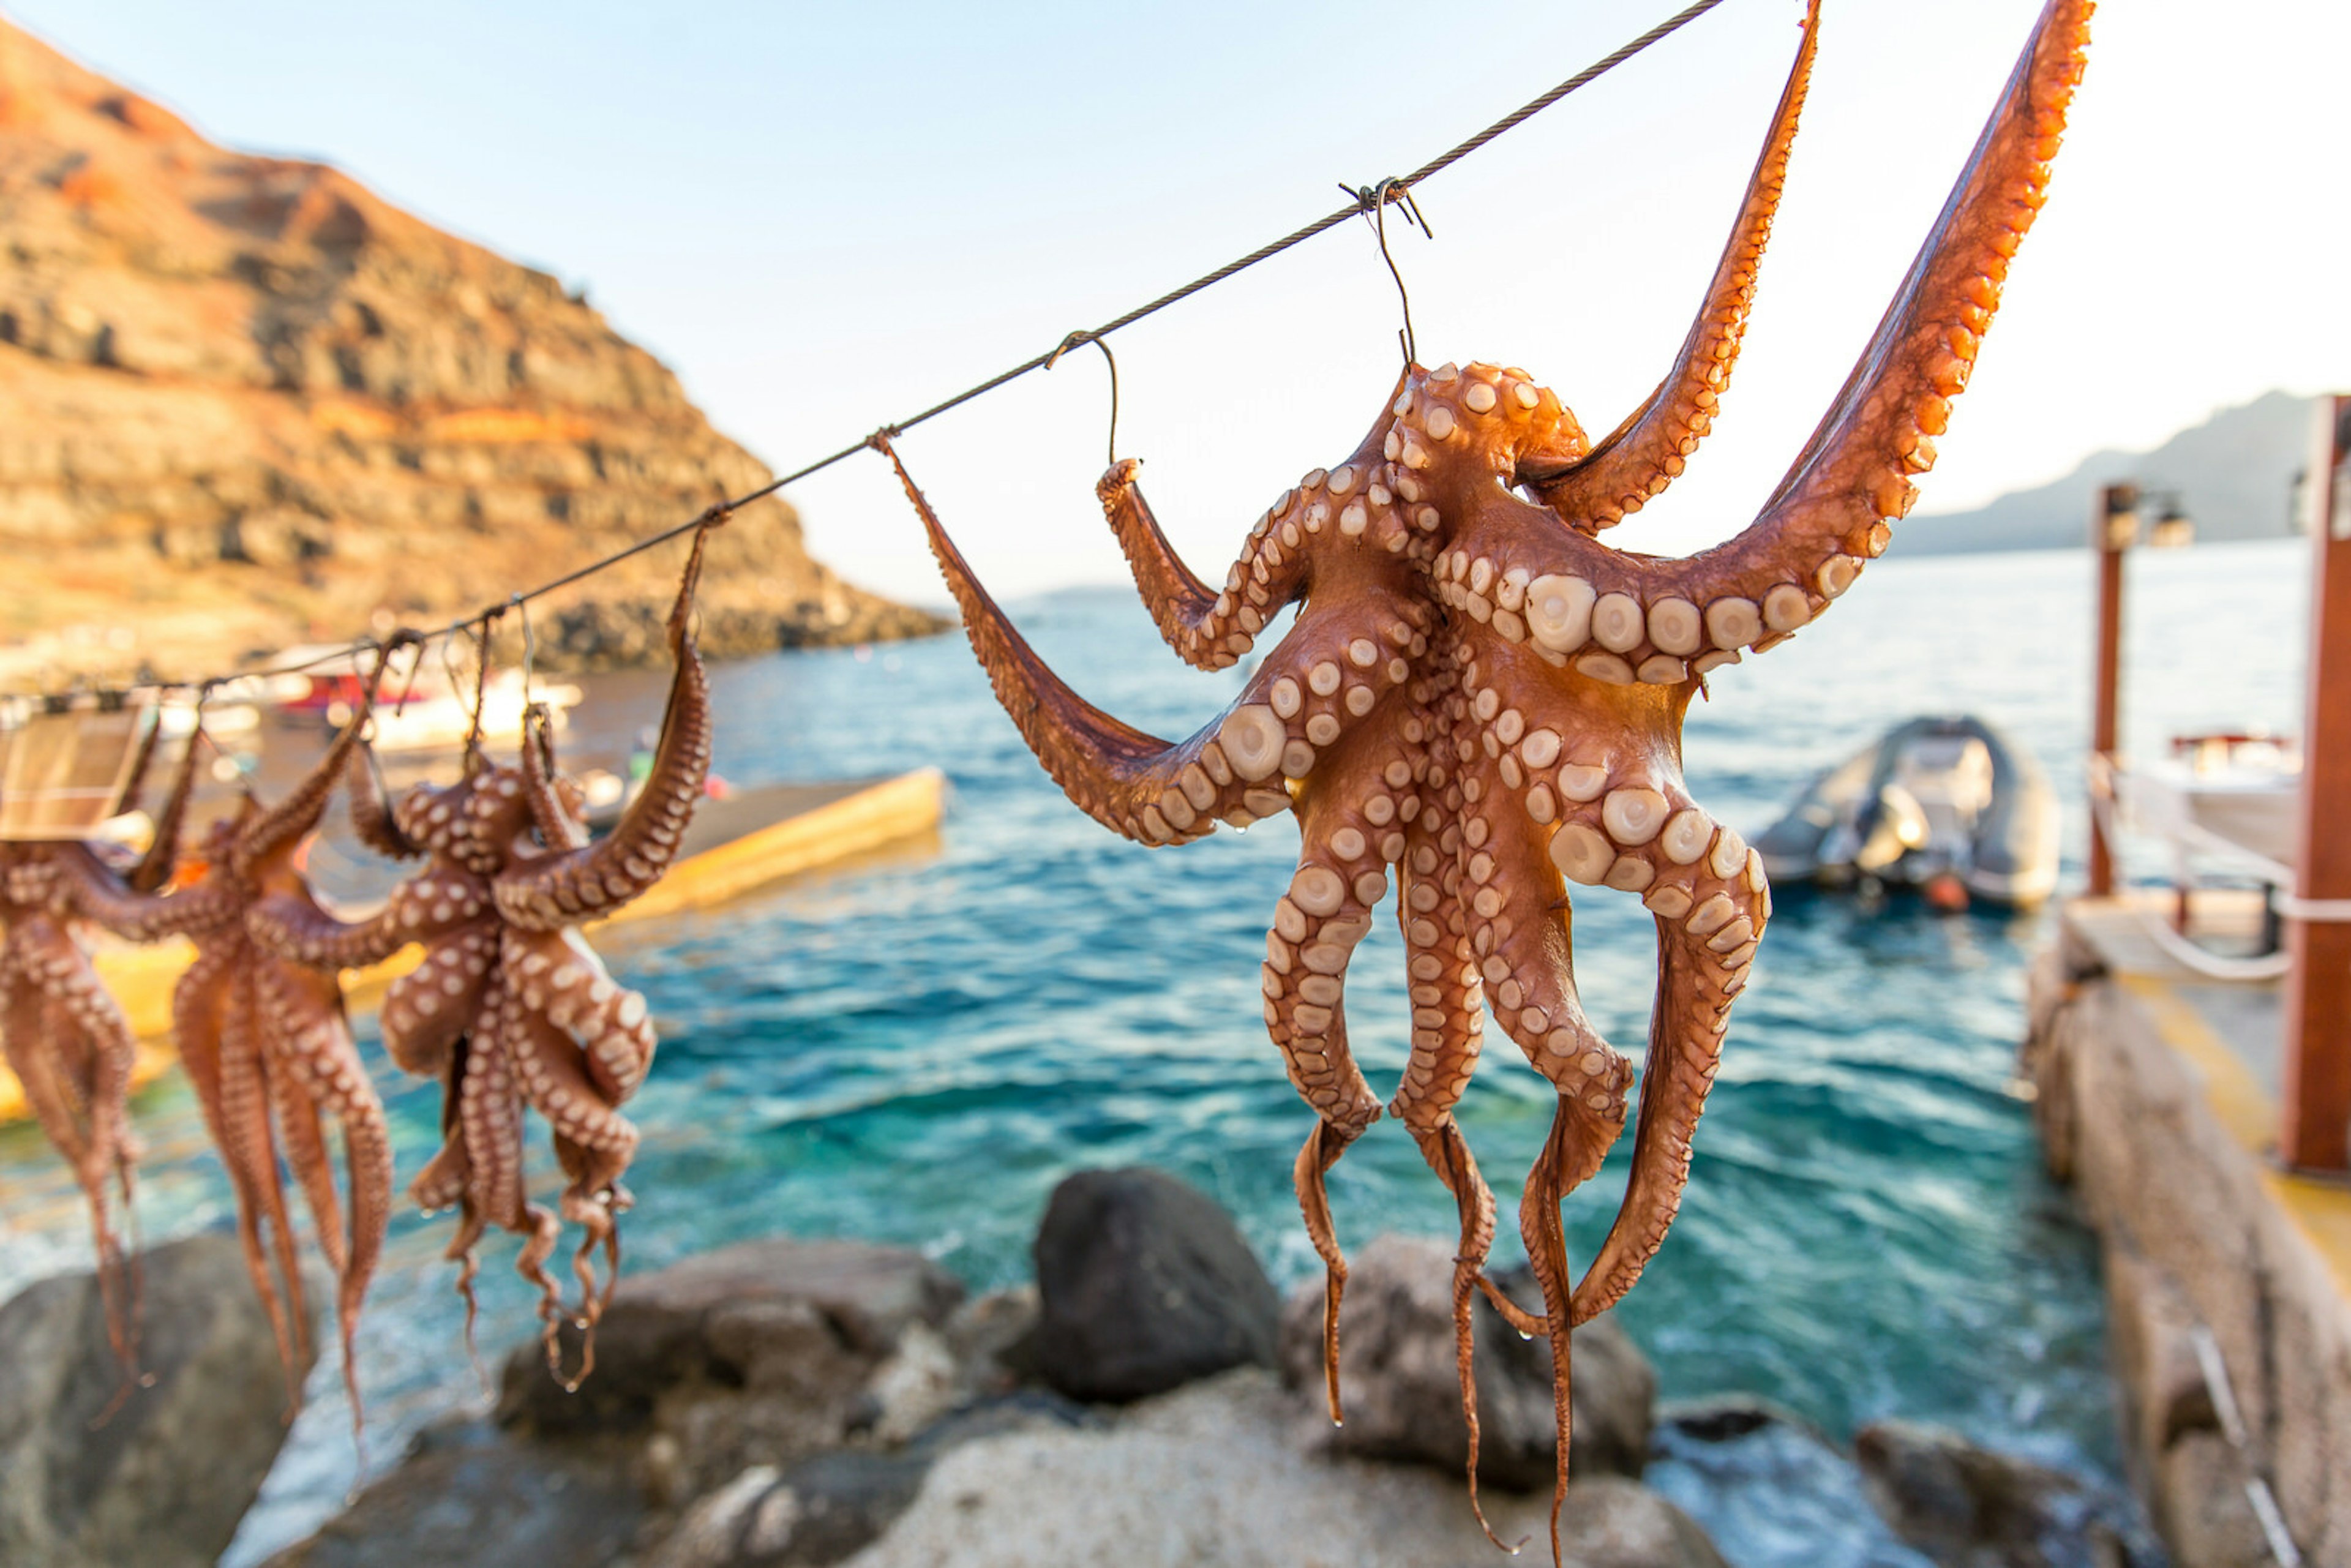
x=737, y=844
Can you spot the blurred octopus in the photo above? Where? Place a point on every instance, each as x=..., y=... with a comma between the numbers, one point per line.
x=65, y=1040
x=510, y=1006
x=265, y=1043
x=1480, y=694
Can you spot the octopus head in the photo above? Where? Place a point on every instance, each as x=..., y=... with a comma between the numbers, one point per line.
x=496, y=813
x=1484, y=418
x=429, y=816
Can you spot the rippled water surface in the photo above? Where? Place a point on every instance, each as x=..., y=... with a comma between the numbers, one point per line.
x=916, y=1049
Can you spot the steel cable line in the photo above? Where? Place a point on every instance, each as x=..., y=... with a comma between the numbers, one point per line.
x=1369, y=200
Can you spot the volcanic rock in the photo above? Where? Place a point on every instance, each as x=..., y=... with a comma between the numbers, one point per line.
x=246, y=403
x=1402, y=1392
x=164, y=1479
x=759, y=1353
x=1145, y=1284
x=1968, y=1507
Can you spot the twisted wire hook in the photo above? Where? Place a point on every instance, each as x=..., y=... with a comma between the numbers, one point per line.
x=521, y=603
x=1098, y=341
x=1372, y=200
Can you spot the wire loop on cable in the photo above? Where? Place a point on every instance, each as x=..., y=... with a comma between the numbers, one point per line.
x=1096, y=338
x=1372, y=201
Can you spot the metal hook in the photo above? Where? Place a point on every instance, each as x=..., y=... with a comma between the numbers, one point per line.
x=1372, y=201
x=1071, y=341
x=529, y=644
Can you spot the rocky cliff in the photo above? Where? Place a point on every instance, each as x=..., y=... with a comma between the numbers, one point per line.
x=245, y=402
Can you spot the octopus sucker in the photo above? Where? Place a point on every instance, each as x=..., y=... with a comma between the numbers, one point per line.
x=1524, y=737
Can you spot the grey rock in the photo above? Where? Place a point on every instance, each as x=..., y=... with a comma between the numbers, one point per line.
x=1401, y=1389
x=1229, y=1471
x=994, y=1338
x=830, y=1505
x=1967, y=1506
x=2200, y=1501
x=761, y=1316
x=818, y=1510
x=466, y=1496
x=163, y=1482
x=762, y=1352
x=1608, y=1521
x=1145, y=1284
x=1724, y=1417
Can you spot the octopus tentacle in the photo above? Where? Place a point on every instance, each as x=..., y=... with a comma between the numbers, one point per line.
x=596, y=1141
x=72, y=1053
x=427, y=1011
x=115, y=903
x=276, y=827
x=1212, y=629
x=1315, y=688
x=1855, y=472
x=372, y=819
x=200, y=1016
x=556, y=890
x=245, y=1093
x=558, y=828
x=154, y=867
x=1626, y=618
x=1341, y=878
x=1447, y=1021
x=425, y=908
x=557, y=973
x=489, y=1111
x=1646, y=453
x=315, y=1062
x=1516, y=903
x=1712, y=901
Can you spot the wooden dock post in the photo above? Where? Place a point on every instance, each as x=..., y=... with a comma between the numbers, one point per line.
x=2113, y=526
x=2316, y=1123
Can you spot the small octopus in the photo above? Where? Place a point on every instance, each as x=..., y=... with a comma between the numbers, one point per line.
x=509, y=1005
x=265, y=1045
x=1481, y=695
x=71, y=1047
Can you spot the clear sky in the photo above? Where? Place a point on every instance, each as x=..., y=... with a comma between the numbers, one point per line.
x=826, y=216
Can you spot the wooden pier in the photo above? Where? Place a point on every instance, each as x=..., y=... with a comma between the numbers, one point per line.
x=2205, y=1117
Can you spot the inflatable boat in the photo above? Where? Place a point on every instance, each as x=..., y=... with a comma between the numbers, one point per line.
x=1948, y=806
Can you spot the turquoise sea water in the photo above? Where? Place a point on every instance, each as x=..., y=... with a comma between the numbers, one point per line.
x=917, y=1048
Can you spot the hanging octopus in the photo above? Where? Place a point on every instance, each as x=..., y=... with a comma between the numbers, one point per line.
x=71, y=1047
x=510, y=1006
x=1481, y=695
x=267, y=1045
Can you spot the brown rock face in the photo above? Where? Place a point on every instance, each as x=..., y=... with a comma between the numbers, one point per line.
x=245, y=402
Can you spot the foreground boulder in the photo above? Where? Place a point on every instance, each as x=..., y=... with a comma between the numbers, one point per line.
x=1231, y=1471
x=163, y=1482
x=760, y=1353
x=766, y=1359
x=1967, y=1506
x=1145, y=1284
x=1402, y=1393
x=466, y=1496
